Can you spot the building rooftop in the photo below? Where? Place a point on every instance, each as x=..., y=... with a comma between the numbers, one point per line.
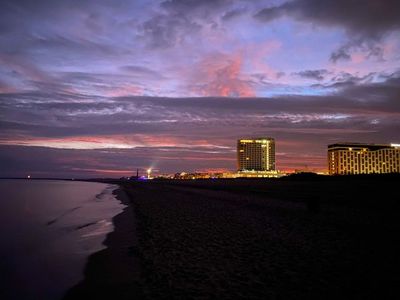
x=369, y=146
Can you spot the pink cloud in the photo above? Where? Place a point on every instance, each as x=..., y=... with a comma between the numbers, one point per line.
x=221, y=75
x=358, y=58
x=111, y=141
x=24, y=68
x=5, y=88
x=127, y=172
x=128, y=90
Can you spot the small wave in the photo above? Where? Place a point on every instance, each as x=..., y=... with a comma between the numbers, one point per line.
x=51, y=222
x=104, y=228
x=106, y=192
x=100, y=196
x=85, y=225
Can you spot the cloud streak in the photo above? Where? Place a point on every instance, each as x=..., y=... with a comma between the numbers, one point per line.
x=174, y=129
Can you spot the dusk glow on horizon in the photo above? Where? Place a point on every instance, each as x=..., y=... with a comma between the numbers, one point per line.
x=101, y=88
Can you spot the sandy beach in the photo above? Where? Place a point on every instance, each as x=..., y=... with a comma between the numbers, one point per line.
x=250, y=239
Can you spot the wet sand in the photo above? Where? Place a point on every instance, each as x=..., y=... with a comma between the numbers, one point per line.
x=113, y=273
x=250, y=239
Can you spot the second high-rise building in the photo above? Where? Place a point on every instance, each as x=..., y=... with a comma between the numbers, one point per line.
x=356, y=158
x=256, y=154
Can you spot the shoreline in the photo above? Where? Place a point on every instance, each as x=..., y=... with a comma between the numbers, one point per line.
x=248, y=239
x=112, y=272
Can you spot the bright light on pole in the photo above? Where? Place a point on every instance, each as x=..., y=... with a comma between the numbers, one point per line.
x=148, y=173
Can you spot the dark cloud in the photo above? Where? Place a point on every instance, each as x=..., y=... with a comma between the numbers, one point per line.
x=271, y=13
x=365, y=17
x=366, y=21
x=341, y=54
x=68, y=45
x=182, y=19
x=232, y=14
x=370, y=47
x=24, y=16
x=373, y=94
x=344, y=80
x=164, y=31
x=313, y=74
x=202, y=8
x=143, y=71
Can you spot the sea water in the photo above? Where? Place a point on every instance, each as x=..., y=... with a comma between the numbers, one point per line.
x=47, y=231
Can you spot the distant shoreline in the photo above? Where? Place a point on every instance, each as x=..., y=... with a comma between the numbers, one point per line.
x=295, y=176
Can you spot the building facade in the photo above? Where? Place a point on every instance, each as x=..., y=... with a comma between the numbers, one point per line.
x=355, y=158
x=256, y=154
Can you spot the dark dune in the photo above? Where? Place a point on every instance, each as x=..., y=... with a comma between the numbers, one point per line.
x=251, y=239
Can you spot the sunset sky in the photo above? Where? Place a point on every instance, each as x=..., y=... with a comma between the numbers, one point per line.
x=100, y=88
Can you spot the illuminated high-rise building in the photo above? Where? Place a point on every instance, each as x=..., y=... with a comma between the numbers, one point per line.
x=355, y=158
x=256, y=154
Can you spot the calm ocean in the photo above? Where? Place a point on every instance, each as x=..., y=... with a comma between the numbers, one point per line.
x=48, y=229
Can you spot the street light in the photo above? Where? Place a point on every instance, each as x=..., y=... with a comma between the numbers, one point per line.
x=148, y=173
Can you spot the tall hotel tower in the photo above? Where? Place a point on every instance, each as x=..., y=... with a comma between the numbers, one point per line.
x=354, y=158
x=256, y=154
